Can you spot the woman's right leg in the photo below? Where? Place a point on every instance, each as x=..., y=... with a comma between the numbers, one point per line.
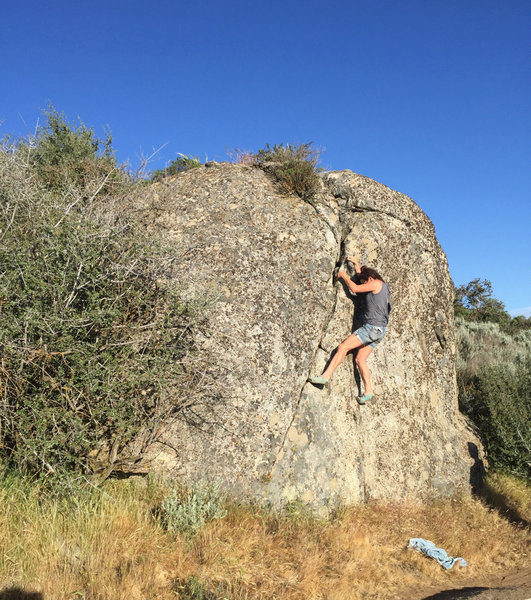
x=346, y=346
x=361, y=361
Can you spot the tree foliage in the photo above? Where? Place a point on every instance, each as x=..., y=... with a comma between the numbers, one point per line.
x=475, y=301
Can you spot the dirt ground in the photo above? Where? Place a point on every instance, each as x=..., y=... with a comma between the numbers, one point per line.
x=513, y=586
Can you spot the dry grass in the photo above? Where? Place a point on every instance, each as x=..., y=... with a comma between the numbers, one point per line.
x=111, y=545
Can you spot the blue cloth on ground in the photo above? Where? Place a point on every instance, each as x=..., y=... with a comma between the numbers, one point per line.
x=430, y=549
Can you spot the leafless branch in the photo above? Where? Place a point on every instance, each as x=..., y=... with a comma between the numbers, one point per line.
x=79, y=198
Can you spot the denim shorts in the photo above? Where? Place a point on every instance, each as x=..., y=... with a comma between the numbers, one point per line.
x=370, y=335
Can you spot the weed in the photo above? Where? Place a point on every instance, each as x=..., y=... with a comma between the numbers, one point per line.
x=193, y=588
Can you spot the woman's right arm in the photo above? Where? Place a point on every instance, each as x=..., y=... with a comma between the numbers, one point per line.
x=369, y=286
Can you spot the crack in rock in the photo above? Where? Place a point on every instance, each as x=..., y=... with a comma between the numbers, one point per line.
x=340, y=257
x=360, y=209
x=340, y=239
x=312, y=364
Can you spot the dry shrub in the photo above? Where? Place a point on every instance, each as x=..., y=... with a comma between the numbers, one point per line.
x=242, y=157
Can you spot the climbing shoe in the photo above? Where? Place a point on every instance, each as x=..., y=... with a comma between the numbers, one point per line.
x=319, y=380
x=364, y=398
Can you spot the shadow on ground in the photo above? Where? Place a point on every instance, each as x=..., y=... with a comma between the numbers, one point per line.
x=481, y=593
x=513, y=586
x=467, y=592
x=17, y=593
x=492, y=497
x=499, y=502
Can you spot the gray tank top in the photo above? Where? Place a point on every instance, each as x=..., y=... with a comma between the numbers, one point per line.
x=378, y=307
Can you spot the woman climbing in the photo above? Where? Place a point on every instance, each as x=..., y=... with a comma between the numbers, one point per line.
x=372, y=331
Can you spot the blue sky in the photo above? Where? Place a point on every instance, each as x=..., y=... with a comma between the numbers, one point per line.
x=430, y=98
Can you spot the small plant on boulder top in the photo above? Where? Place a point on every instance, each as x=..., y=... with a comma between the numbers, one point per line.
x=242, y=157
x=293, y=166
x=179, y=165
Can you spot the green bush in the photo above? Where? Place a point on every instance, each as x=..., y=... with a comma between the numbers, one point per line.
x=493, y=377
x=293, y=167
x=95, y=343
x=499, y=403
x=186, y=511
x=179, y=165
x=67, y=157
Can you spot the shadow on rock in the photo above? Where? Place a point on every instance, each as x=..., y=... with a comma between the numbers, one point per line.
x=477, y=470
x=16, y=593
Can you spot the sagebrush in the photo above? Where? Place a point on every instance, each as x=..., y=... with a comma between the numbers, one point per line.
x=485, y=344
x=187, y=510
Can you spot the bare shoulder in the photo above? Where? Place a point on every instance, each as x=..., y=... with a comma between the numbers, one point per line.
x=377, y=287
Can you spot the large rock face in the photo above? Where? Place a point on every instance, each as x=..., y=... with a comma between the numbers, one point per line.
x=268, y=261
